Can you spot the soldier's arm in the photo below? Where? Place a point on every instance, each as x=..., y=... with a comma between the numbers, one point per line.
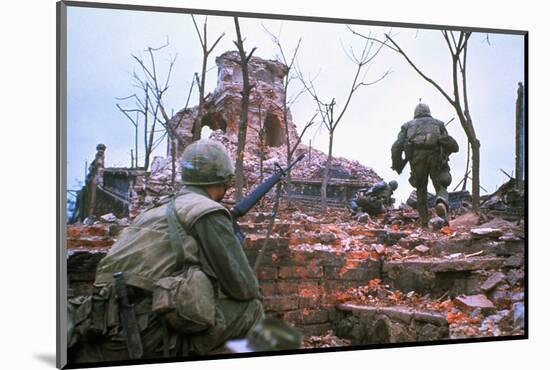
x=397, y=150
x=225, y=256
x=399, y=144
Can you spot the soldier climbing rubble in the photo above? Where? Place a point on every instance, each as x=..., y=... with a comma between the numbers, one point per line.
x=374, y=200
x=427, y=147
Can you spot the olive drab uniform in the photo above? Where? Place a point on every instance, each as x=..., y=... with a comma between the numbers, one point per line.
x=376, y=199
x=191, y=290
x=427, y=147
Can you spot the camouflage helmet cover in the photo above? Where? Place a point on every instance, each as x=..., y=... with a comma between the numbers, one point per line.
x=206, y=162
x=422, y=110
x=393, y=184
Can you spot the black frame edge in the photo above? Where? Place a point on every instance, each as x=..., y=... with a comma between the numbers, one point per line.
x=61, y=195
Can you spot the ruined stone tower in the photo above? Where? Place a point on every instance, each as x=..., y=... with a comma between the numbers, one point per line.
x=223, y=105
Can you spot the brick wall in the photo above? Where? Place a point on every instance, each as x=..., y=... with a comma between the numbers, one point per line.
x=302, y=286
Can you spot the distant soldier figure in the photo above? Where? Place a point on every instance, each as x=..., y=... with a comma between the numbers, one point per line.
x=177, y=281
x=427, y=147
x=375, y=199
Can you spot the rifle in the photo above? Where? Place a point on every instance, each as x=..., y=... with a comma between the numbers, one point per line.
x=244, y=205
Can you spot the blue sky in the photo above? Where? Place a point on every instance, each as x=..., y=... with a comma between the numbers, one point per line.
x=101, y=41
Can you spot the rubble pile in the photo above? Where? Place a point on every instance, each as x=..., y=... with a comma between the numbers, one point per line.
x=327, y=340
x=467, y=316
x=470, y=273
x=506, y=202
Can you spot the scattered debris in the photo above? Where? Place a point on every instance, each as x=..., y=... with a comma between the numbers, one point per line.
x=324, y=341
x=436, y=223
x=422, y=249
x=492, y=281
x=475, y=301
x=486, y=232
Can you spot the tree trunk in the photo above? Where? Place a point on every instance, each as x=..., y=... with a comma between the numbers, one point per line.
x=197, y=125
x=520, y=140
x=239, y=170
x=475, y=175
x=243, y=122
x=149, y=148
x=324, y=184
x=136, y=146
x=467, y=171
x=468, y=126
x=173, y=165
x=288, y=176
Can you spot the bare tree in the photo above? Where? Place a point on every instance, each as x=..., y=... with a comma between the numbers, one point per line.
x=243, y=122
x=135, y=122
x=202, y=81
x=329, y=117
x=143, y=109
x=152, y=106
x=261, y=135
x=457, y=43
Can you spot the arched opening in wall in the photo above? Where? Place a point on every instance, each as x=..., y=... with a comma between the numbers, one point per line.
x=273, y=131
x=214, y=121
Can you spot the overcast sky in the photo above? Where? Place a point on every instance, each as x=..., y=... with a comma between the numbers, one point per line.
x=100, y=66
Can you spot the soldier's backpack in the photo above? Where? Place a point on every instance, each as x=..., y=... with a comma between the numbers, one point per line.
x=186, y=299
x=424, y=134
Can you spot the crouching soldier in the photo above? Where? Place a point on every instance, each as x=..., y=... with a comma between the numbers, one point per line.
x=427, y=147
x=374, y=200
x=177, y=281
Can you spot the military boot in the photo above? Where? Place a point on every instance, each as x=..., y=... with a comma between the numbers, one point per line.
x=441, y=211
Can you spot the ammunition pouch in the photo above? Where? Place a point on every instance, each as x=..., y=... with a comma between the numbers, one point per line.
x=186, y=301
x=448, y=144
x=92, y=316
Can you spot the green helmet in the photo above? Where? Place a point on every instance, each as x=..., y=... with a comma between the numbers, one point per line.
x=206, y=162
x=393, y=184
x=422, y=110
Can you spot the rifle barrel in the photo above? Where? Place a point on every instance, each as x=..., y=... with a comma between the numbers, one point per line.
x=245, y=204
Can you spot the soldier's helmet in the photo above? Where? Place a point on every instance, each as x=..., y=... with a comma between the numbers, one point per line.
x=393, y=184
x=206, y=162
x=422, y=110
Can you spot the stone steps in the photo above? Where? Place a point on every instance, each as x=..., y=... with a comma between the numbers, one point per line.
x=375, y=325
x=469, y=246
x=438, y=276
